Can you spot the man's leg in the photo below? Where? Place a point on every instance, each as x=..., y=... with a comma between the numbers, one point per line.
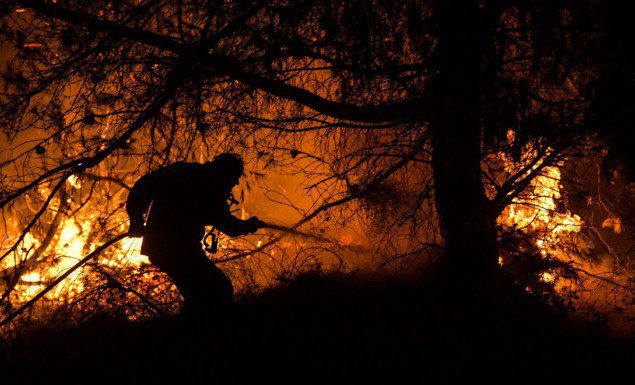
x=204, y=287
x=208, y=288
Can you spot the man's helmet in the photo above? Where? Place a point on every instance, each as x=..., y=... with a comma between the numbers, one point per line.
x=228, y=164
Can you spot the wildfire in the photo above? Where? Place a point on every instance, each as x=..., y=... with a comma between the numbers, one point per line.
x=536, y=211
x=557, y=235
x=38, y=264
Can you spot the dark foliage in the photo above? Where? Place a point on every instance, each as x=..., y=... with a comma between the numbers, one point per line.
x=332, y=328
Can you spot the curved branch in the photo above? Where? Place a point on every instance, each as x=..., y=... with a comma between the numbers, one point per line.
x=402, y=111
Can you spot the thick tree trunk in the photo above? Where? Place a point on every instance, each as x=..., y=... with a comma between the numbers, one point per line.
x=466, y=223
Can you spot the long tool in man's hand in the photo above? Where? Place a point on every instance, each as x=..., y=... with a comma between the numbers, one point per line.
x=294, y=231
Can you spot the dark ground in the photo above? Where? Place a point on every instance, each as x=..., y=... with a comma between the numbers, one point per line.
x=333, y=329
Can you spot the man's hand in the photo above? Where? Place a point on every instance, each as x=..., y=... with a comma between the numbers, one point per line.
x=136, y=229
x=254, y=224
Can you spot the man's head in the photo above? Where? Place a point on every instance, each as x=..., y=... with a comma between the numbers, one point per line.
x=229, y=167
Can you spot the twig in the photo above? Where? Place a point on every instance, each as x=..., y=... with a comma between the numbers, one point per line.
x=604, y=279
x=115, y=282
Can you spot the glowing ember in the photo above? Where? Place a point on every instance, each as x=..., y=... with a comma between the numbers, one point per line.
x=547, y=277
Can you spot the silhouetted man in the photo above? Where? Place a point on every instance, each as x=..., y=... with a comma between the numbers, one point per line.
x=178, y=201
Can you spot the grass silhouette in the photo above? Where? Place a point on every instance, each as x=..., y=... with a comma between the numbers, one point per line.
x=331, y=328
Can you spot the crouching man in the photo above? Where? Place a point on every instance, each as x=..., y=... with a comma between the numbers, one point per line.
x=178, y=201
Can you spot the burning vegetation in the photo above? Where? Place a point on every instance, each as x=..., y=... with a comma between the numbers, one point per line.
x=554, y=251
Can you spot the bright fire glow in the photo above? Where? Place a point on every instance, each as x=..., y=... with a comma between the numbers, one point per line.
x=535, y=211
x=74, y=238
x=558, y=235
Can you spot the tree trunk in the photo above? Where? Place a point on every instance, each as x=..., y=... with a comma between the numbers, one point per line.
x=466, y=223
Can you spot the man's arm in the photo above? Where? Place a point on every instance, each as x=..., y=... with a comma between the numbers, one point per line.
x=232, y=226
